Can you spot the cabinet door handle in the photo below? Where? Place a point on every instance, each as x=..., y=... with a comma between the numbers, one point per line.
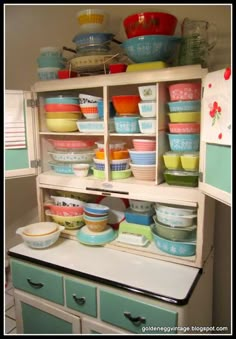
x=135, y=320
x=80, y=301
x=35, y=285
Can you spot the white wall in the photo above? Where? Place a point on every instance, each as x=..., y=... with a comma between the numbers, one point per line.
x=29, y=27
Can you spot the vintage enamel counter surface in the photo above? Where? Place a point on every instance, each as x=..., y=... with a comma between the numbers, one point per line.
x=114, y=283
x=116, y=268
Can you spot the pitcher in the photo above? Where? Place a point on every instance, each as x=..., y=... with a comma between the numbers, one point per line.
x=198, y=38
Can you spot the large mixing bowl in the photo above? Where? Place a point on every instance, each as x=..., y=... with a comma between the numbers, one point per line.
x=149, y=48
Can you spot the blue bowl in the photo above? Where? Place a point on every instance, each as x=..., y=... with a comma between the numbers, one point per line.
x=149, y=48
x=92, y=38
x=51, y=61
x=100, y=106
x=62, y=100
x=142, y=158
x=127, y=124
x=184, y=142
x=96, y=208
x=177, y=248
x=95, y=239
x=185, y=106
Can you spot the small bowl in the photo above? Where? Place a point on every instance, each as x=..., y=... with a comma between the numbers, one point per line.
x=81, y=170
x=172, y=161
x=96, y=226
x=147, y=109
x=89, y=108
x=96, y=208
x=40, y=241
x=147, y=126
x=117, y=68
x=147, y=93
x=140, y=205
x=190, y=161
x=144, y=145
x=48, y=73
x=92, y=20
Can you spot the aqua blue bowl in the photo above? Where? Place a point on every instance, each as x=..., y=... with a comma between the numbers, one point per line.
x=177, y=248
x=184, y=142
x=149, y=48
x=185, y=106
x=51, y=61
x=92, y=38
x=100, y=106
x=62, y=100
x=96, y=208
x=127, y=124
x=87, y=237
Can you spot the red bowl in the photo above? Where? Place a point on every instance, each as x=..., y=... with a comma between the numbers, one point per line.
x=66, y=73
x=65, y=210
x=149, y=23
x=117, y=68
x=62, y=108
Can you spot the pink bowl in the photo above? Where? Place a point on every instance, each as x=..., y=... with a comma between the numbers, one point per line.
x=80, y=144
x=62, y=108
x=185, y=91
x=184, y=127
x=144, y=144
x=66, y=210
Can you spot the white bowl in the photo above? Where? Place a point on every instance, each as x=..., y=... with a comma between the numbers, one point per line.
x=140, y=205
x=176, y=221
x=81, y=170
x=66, y=201
x=147, y=126
x=86, y=98
x=147, y=109
x=40, y=228
x=41, y=241
x=147, y=92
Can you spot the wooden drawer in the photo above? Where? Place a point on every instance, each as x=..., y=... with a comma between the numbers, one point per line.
x=38, y=281
x=81, y=297
x=136, y=316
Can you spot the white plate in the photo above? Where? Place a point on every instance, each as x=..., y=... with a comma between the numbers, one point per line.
x=117, y=206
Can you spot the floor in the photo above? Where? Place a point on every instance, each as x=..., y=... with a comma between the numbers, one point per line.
x=10, y=316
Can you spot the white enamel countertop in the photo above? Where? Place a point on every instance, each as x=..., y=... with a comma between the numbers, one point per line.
x=155, y=276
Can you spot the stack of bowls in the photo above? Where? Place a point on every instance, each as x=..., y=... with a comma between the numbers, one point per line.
x=184, y=138
x=150, y=37
x=96, y=217
x=143, y=159
x=175, y=227
x=50, y=61
x=40, y=235
x=62, y=113
x=147, y=109
x=89, y=106
x=119, y=167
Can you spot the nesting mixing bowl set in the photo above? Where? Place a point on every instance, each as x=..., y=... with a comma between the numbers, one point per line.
x=182, y=161
x=174, y=229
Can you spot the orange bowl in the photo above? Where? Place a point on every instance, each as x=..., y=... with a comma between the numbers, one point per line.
x=114, y=155
x=126, y=104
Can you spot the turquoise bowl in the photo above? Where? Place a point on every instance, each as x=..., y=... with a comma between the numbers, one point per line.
x=185, y=106
x=177, y=248
x=62, y=100
x=87, y=237
x=184, y=142
x=127, y=124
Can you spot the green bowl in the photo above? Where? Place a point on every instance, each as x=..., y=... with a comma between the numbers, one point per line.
x=114, y=174
x=174, y=233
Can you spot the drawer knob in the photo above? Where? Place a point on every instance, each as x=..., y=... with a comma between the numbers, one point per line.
x=35, y=285
x=135, y=320
x=80, y=301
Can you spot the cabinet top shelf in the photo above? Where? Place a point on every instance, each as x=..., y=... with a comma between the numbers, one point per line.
x=178, y=73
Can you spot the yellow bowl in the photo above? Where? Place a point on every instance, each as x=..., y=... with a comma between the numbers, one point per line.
x=184, y=117
x=190, y=162
x=69, y=222
x=172, y=161
x=63, y=115
x=61, y=125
